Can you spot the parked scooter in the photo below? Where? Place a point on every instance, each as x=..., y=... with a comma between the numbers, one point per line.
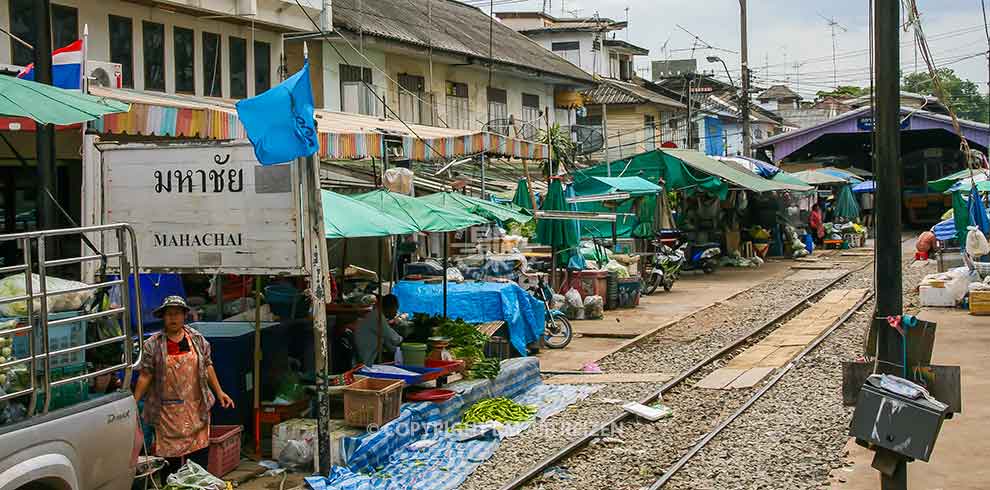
x=557, y=332
x=703, y=256
x=667, y=263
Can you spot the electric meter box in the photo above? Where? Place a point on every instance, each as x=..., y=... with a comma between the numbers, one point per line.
x=891, y=420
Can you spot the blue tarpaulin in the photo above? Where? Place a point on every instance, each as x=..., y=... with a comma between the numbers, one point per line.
x=384, y=460
x=977, y=212
x=478, y=302
x=945, y=230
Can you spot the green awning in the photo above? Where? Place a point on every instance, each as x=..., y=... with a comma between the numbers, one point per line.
x=46, y=104
x=634, y=186
x=729, y=173
x=344, y=217
x=943, y=184
x=655, y=165
x=425, y=216
x=478, y=207
x=789, y=179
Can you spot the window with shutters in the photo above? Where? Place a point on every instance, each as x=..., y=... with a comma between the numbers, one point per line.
x=122, y=47
x=457, y=106
x=184, y=47
x=153, y=36
x=498, y=111
x=570, y=51
x=357, y=94
x=531, y=117
x=415, y=103
x=212, y=67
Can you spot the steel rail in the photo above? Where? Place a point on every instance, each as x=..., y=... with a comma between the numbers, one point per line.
x=667, y=475
x=536, y=470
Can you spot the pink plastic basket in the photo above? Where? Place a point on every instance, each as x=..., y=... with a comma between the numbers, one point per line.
x=225, y=449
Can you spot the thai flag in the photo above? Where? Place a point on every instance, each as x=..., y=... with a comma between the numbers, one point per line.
x=66, y=67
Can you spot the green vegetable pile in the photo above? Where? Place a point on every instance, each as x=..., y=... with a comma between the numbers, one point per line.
x=484, y=368
x=499, y=409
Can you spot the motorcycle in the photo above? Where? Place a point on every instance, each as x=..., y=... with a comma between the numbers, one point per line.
x=703, y=257
x=557, y=331
x=667, y=263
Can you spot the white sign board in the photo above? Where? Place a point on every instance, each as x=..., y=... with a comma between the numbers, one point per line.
x=205, y=207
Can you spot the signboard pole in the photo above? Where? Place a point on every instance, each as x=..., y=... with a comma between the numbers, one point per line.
x=317, y=250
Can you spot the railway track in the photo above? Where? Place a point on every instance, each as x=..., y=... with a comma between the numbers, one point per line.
x=695, y=371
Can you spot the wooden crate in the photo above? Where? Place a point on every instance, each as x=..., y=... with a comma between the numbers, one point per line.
x=979, y=303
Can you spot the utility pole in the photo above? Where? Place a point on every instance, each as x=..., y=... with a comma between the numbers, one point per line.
x=45, y=134
x=744, y=55
x=887, y=165
x=687, y=127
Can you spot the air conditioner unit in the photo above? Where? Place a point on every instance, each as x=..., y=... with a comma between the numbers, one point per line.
x=104, y=74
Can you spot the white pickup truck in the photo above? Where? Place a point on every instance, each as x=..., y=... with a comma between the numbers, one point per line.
x=93, y=443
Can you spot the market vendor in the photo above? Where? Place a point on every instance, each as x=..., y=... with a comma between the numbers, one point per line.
x=815, y=223
x=385, y=316
x=181, y=386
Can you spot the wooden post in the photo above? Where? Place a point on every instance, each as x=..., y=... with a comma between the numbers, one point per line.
x=317, y=252
x=257, y=366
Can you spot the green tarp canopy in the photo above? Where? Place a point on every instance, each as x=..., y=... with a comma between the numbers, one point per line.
x=559, y=234
x=943, y=184
x=478, y=207
x=655, y=165
x=788, y=178
x=981, y=186
x=425, y=216
x=730, y=173
x=815, y=177
x=46, y=104
x=521, y=197
x=634, y=186
x=845, y=204
x=344, y=217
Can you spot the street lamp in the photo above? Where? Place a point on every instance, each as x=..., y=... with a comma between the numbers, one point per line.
x=716, y=59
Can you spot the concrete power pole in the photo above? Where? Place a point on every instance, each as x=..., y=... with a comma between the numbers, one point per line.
x=744, y=55
x=45, y=133
x=886, y=164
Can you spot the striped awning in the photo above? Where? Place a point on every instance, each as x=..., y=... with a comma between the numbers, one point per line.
x=342, y=135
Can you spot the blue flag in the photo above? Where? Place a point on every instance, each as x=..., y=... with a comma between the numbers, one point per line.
x=280, y=122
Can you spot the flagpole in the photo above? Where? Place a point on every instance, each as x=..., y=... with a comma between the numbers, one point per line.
x=83, y=79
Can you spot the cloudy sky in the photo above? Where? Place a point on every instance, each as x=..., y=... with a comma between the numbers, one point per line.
x=783, y=33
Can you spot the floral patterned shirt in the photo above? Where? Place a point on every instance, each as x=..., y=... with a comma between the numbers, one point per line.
x=153, y=362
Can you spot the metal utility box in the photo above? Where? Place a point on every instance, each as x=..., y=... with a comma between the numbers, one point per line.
x=896, y=421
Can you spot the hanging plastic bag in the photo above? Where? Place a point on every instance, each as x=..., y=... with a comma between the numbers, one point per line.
x=976, y=243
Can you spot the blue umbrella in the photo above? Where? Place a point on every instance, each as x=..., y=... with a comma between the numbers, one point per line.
x=867, y=186
x=978, y=213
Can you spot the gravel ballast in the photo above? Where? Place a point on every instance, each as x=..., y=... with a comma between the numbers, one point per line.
x=635, y=454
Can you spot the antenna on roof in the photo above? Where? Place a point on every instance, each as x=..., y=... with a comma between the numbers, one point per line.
x=699, y=42
x=833, y=24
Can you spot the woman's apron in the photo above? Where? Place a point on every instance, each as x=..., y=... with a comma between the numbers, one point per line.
x=181, y=429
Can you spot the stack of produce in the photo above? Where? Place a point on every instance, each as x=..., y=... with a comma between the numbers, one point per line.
x=499, y=409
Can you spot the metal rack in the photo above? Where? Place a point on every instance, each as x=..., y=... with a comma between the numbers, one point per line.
x=33, y=244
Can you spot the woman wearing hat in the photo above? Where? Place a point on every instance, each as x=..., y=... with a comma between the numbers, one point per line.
x=177, y=376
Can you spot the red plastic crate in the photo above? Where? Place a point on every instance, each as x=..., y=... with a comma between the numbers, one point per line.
x=225, y=449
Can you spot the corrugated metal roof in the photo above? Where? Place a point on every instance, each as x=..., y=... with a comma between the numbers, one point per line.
x=455, y=27
x=611, y=91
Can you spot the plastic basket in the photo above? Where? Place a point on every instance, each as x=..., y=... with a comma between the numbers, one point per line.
x=372, y=401
x=225, y=449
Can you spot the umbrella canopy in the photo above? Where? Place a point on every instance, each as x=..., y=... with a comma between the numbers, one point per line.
x=475, y=206
x=817, y=177
x=980, y=180
x=867, y=186
x=789, y=178
x=845, y=204
x=521, y=197
x=46, y=104
x=344, y=217
x=634, y=186
x=423, y=215
x=559, y=234
x=843, y=174
x=943, y=184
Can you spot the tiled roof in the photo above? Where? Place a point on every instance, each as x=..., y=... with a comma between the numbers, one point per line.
x=611, y=91
x=455, y=27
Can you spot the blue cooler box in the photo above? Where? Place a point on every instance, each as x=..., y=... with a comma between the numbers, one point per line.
x=232, y=347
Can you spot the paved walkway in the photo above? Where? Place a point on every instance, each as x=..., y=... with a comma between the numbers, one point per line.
x=961, y=452
x=691, y=293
